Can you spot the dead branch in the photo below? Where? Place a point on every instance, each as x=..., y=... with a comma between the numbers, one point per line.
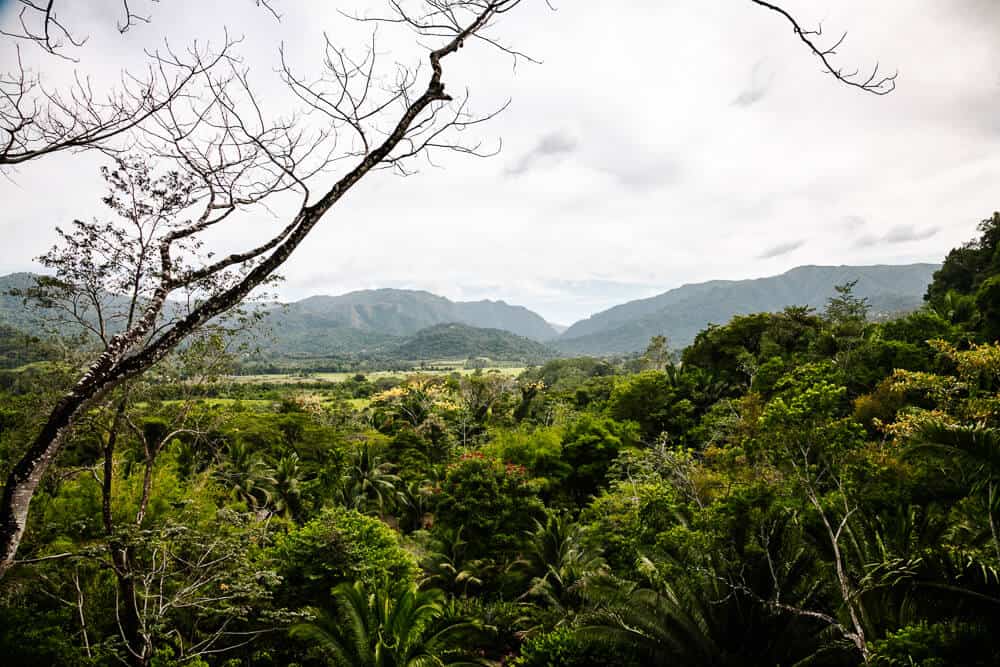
x=38, y=23
x=874, y=83
x=36, y=121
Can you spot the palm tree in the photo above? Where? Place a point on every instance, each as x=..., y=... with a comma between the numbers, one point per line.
x=914, y=572
x=414, y=505
x=760, y=615
x=369, y=482
x=954, y=307
x=245, y=475
x=286, y=482
x=385, y=627
x=561, y=564
x=190, y=458
x=667, y=626
x=977, y=450
x=447, y=566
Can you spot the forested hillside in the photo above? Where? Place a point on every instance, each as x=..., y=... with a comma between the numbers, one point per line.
x=373, y=324
x=799, y=487
x=681, y=313
x=379, y=326
x=18, y=349
x=395, y=313
x=450, y=341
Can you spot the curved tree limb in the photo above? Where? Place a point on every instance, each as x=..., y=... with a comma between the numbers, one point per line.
x=874, y=83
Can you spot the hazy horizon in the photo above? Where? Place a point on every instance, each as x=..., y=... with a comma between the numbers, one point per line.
x=603, y=296
x=706, y=144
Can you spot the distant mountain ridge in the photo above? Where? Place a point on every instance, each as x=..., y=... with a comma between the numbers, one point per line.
x=379, y=316
x=12, y=310
x=352, y=323
x=394, y=323
x=681, y=313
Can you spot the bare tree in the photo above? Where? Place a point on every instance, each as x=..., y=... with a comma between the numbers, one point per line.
x=38, y=120
x=228, y=157
x=180, y=572
x=233, y=159
x=38, y=22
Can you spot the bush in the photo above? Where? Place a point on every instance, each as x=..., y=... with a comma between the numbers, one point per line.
x=493, y=500
x=563, y=648
x=338, y=545
x=589, y=446
x=538, y=449
x=651, y=400
x=936, y=645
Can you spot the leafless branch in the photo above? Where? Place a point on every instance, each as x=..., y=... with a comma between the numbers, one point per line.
x=38, y=22
x=875, y=83
x=36, y=121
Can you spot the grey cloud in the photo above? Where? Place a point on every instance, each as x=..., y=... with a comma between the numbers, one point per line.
x=898, y=234
x=781, y=249
x=907, y=233
x=853, y=222
x=643, y=175
x=633, y=166
x=554, y=144
x=866, y=241
x=757, y=88
x=979, y=10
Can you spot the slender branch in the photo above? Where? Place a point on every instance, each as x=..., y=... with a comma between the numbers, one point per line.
x=874, y=83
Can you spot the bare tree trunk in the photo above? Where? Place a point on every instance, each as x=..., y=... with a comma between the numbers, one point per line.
x=80, y=613
x=106, y=482
x=990, y=500
x=27, y=473
x=843, y=581
x=127, y=612
x=129, y=622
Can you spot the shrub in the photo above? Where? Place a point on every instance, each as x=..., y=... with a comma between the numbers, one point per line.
x=493, y=500
x=338, y=545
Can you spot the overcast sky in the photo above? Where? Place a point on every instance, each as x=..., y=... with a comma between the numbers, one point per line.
x=659, y=143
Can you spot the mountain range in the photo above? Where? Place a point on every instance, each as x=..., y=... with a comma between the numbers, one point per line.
x=681, y=313
x=404, y=325
x=417, y=325
x=393, y=313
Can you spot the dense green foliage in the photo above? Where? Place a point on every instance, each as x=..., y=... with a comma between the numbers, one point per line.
x=800, y=487
x=19, y=349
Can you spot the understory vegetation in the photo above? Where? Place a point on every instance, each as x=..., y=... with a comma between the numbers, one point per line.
x=794, y=488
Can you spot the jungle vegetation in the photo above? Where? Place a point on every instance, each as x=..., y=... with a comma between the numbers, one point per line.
x=794, y=488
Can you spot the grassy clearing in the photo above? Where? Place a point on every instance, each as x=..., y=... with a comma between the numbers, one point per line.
x=433, y=368
x=260, y=403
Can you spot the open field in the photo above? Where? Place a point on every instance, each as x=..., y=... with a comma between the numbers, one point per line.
x=317, y=378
